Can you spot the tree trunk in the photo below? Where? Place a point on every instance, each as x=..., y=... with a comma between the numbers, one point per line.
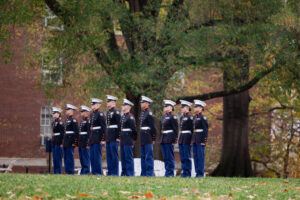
x=287, y=152
x=235, y=158
x=136, y=110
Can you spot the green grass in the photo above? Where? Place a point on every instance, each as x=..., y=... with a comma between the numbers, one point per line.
x=26, y=186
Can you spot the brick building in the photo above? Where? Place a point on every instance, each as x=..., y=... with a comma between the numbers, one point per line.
x=25, y=115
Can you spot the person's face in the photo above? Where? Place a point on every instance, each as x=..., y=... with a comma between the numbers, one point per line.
x=55, y=115
x=198, y=109
x=168, y=109
x=126, y=108
x=96, y=106
x=144, y=105
x=110, y=104
x=84, y=114
x=69, y=112
x=185, y=109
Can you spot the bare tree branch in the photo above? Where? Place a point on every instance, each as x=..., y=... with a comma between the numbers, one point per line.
x=282, y=107
x=265, y=164
x=232, y=91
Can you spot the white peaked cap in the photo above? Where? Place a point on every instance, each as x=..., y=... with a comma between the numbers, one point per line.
x=70, y=106
x=111, y=98
x=147, y=99
x=127, y=102
x=55, y=109
x=199, y=103
x=85, y=108
x=95, y=100
x=186, y=103
x=169, y=102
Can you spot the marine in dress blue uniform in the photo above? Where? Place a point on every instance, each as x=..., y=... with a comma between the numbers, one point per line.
x=168, y=137
x=185, y=138
x=98, y=128
x=70, y=138
x=199, y=137
x=57, y=139
x=112, y=136
x=83, y=141
x=127, y=139
x=147, y=137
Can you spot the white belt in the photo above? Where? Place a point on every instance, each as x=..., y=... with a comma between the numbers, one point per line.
x=113, y=126
x=167, y=131
x=126, y=129
x=56, y=134
x=83, y=133
x=198, y=130
x=145, y=128
x=96, y=127
x=187, y=131
x=69, y=132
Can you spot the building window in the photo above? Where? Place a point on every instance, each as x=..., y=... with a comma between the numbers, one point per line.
x=52, y=64
x=45, y=123
x=51, y=70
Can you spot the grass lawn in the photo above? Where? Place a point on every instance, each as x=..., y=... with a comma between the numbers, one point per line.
x=28, y=186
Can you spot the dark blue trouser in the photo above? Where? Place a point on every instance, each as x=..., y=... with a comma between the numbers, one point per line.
x=69, y=160
x=84, y=160
x=57, y=153
x=168, y=155
x=147, y=160
x=112, y=158
x=185, y=158
x=96, y=158
x=199, y=159
x=127, y=160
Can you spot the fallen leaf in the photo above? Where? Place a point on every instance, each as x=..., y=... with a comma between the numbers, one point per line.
x=195, y=190
x=12, y=196
x=285, y=190
x=105, y=193
x=83, y=195
x=44, y=194
x=251, y=196
x=286, y=182
x=254, y=185
x=36, y=197
x=230, y=194
x=134, y=197
x=149, y=194
x=70, y=196
x=124, y=192
x=27, y=197
x=38, y=190
x=223, y=197
x=185, y=191
x=208, y=194
x=263, y=182
x=236, y=189
x=178, y=197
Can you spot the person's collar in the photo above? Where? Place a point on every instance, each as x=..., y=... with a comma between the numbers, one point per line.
x=96, y=110
x=112, y=109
